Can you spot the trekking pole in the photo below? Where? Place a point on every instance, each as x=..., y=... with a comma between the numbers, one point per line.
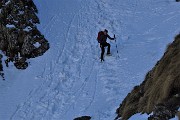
x=116, y=46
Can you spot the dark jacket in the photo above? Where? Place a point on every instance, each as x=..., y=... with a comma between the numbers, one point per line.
x=104, y=38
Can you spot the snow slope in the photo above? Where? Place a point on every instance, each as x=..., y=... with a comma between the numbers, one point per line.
x=69, y=80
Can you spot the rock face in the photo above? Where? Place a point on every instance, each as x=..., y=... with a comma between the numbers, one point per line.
x=160, y=91
x=19, y=37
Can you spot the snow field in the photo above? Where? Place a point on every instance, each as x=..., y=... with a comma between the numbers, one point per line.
x=72, y=81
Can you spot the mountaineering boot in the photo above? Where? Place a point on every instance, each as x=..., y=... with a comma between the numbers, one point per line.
x=108, y=53
x=102, y=60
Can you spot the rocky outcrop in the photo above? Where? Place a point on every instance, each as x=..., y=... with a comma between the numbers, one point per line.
x=83, y=118
x=19, y=37
x=159, y=92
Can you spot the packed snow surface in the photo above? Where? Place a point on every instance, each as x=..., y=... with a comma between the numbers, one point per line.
x=69, y=80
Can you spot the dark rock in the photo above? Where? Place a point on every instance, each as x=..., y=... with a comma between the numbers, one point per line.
x=166, y=110
x=21, y=65
x=83, y=118
x=18, y=32
x=1, y=67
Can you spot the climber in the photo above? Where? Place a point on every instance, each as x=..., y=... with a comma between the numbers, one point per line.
x=102, y=37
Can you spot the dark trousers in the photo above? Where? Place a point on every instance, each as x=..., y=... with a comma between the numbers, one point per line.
x=103, y=45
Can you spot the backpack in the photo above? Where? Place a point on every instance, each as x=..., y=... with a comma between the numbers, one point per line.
x=99, y=38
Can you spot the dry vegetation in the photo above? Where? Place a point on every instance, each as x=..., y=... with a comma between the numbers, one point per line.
x=160, y=91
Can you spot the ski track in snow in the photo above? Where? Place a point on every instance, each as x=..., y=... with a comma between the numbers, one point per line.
x=75, y=83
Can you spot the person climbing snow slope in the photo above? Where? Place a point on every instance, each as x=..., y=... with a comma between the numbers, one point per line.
x=102, y=39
